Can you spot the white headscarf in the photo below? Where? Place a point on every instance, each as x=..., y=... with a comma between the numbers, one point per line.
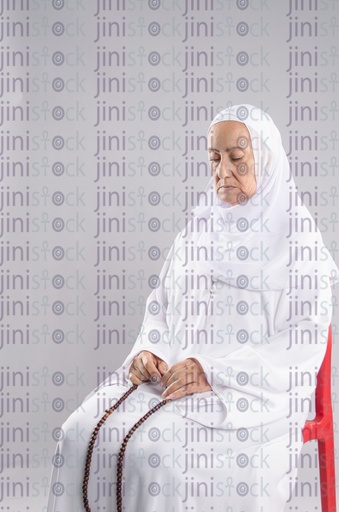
x=261, y=237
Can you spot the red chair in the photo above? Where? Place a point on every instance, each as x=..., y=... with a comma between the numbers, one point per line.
x=321, y=429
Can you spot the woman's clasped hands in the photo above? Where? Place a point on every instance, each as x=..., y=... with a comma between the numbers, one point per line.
x=181, y=379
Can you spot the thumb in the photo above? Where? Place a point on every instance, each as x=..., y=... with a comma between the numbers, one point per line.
x=162, y=367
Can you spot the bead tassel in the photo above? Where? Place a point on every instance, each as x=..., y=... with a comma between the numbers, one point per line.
x=123, y=449
x=94, y=436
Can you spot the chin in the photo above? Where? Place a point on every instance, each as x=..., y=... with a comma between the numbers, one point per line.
x=228, y=198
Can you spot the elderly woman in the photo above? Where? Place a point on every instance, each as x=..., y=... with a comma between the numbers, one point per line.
x=238, y=322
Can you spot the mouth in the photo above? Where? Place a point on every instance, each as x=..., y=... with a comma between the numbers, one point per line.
x=227, y=187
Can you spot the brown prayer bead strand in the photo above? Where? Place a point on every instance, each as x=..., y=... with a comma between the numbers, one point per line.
x=90, y=449
x=123, y=449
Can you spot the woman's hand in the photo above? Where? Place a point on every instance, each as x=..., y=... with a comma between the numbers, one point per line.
x=185, y=378
x=147, y=366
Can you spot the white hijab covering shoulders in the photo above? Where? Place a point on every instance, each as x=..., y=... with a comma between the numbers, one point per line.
x=273, y=223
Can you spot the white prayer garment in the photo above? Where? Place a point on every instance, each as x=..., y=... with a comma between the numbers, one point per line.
x=246, y=291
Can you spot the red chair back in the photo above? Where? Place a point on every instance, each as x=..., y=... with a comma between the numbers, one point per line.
x=321, y=429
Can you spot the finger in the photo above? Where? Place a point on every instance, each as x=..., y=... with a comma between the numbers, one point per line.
x=182, y=364
x=166, y=377
x=134, y=379
x=176, y=367
x=186, y=374
x=177, y=384
x=138, y=369
x=185, y=390
x=162, y=366
x=150, y=367
x=183, y=376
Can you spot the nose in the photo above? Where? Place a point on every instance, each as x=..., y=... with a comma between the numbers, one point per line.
x=224, y=169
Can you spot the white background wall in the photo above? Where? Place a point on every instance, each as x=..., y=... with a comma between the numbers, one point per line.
x=55, y=67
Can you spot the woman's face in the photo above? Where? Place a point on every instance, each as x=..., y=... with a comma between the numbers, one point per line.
x=232, y=162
